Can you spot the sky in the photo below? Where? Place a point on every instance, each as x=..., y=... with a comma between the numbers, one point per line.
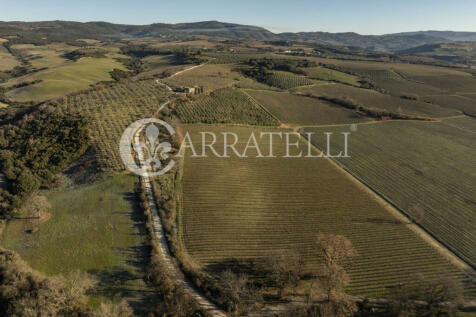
x=361, y=16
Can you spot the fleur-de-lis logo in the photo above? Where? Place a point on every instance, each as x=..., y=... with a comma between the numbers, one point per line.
x=151, y=157
x=153, y=150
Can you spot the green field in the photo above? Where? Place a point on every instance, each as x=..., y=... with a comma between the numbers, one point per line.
x=240, y=209
x=462, y=103
x=110, y=110
x=94, y=228
x=227, y=105
x=7, y=60
x=425, y=168
x=403, y=79
x=209, y=76
x=67, y=78
x=322, y=73
x=446, y=79
x=300, y=110
x=41, y=56
x=287, y=80
x=373, y=99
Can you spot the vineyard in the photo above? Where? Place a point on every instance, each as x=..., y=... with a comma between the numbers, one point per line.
x=110, y=110
x=240, y=209
x=227, y=105
x=379, y=74
x=462, y=103
x=321, y=73
x=427, y=169
x=295, y=109
x=233, y=58
x=402, y=78
x=287, y=80
x=373, y=99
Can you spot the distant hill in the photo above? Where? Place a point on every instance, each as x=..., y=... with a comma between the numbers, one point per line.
x=385, y=43
x=454, y=52
x=102, y=30
x=448, y=35
x=66, y=30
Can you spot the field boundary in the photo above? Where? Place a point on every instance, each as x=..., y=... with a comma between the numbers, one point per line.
x=259, y=105
x=402, y=215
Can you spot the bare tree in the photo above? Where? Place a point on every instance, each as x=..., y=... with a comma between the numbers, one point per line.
x=437, y=293
x=284, y=269
x=237, y=291
x=426, y=296
x=336, y=251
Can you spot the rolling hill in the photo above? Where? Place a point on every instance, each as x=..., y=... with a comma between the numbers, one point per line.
x=57, y=30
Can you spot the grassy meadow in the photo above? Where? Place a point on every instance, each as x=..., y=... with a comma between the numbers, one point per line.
x=210, y=76
x=96, y=228
x=67, y=78
x=7, y=60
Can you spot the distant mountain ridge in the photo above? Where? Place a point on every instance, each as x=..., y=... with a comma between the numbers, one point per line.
x=386, y=43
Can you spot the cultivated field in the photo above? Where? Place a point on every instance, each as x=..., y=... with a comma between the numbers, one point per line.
x=94, y=228
x=373, y=99
x=111, y=110
x=239, y=209
x=403, y=79
x=300, y=110
x=68, y=77
x=425, y=168
x=209, y=76
x=159, y=66
x=227, y=105
x=459, y=102
x=287, y=80
x=322, y=73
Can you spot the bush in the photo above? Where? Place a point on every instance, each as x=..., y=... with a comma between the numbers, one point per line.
x=25, y=292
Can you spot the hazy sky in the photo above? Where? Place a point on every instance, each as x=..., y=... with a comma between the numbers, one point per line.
x=364, y=16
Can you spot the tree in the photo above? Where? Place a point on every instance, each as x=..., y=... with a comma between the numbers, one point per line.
x=401, y=304
x=26, y=292
x=426, y=297
x=336, y=251
x=437, y=293
x=237, y=291
x=177, y=303
x=284, y=269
